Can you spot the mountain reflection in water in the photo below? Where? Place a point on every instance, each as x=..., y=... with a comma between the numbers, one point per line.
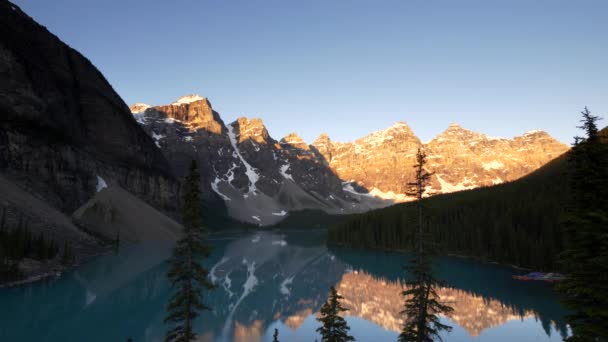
x=274, y=280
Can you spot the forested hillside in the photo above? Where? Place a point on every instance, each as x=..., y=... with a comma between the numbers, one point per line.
x=515, y=223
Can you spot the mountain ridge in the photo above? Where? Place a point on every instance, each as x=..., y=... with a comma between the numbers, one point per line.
x=244, y=160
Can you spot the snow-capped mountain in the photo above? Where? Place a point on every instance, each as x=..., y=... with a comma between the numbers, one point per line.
x=261, y=180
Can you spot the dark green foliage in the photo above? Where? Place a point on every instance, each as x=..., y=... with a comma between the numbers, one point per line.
x=585, y=258
x=67, y=255
x=514, y=223
x=422, y=305
x=17, y=244
x=334, y=328
x=186, y=273
x=275, y=336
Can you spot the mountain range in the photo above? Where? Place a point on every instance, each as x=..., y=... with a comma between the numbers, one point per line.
x=261, y=179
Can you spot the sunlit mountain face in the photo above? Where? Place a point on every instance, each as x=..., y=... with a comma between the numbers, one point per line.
x=276, y=280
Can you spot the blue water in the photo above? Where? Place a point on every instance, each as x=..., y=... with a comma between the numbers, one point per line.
x=271, y=280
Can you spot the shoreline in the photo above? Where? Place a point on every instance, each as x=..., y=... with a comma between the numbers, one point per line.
x=454, y=255
x=50, y=269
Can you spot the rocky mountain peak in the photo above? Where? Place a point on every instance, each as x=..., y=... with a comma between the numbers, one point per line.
x=195, y=112
x=138, y=108
x=397, y=133
x=250, y=129
x=187, y=99
x=536, y=134
x=324, y=146
x=455, y=132
x=399, y=126
x=323, y=138
x=293, y=139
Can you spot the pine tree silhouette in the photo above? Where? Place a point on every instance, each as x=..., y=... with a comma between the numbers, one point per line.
x=421, y=300
x=186, y=273
x=585, y=258
x=334, y=328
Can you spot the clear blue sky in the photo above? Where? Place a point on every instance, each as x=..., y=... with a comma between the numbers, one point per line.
x=350, y=67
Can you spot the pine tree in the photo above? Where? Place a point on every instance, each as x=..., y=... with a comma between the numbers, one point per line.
x=275, y=336
x=585, y=258
x=422, y=304
x=66, y=256
x=186, y=273
x=334, y=328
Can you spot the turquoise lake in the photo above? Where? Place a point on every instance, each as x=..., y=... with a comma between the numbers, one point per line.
x=269, y=280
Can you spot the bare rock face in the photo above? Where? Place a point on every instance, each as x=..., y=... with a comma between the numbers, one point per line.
x=294, y=140
x=62, y=124
x=382, y=160
x=462, y=159
x=252, y=130
x=195, y=112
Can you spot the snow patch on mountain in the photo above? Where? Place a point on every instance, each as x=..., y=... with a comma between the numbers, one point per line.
x=283, y=171
x=101, y=184
x=250, y=171
x=171, y=121
x=140, y=118
x=389, y=195
x=157, y=138
x=187, y=99
x=448, y=187
x=139, y=108
x=214, y=186
x=493, y=165
x=348, y=187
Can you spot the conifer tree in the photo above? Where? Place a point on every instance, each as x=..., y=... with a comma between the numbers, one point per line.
x=422, y=304
x=186, y=273
x=585, y=258
x=66, y=256
x=334, y=328
x=275, y=336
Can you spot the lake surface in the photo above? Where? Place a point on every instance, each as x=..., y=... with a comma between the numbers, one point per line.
x=271, y=280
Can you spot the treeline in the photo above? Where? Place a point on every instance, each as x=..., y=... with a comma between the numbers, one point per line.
x=19, y=243
x=515, y=223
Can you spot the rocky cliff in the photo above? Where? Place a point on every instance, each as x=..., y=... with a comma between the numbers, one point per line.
x=64, y=131
x=261, y=179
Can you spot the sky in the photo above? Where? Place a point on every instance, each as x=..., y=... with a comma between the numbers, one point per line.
x=350, y=67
